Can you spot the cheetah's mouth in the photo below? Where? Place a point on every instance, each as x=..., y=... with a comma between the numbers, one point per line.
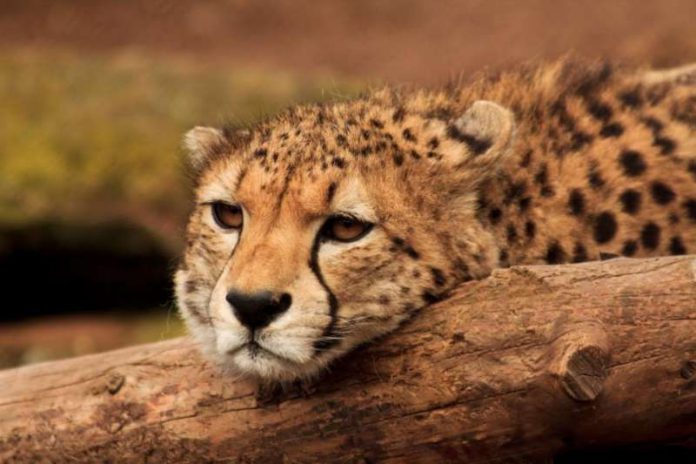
x=255, y=350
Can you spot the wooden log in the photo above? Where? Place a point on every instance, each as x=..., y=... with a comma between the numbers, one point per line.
x=518, y=367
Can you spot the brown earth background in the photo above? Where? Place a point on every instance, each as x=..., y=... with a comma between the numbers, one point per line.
x=418, y=41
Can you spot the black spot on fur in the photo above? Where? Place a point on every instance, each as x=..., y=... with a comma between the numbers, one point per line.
x=399, y=114
x=430, y=297
x=376, y=123
x=629, y=248
x=630, y=201
x=438, y=276
x=632, y=163
x=338, y=162
x=503, y=258
x=398, y=241
x=526, y=159
x=613, y=129
x=593, y=78
x=547, y=191
x=511, y=233
x=690, y=207
x=408, y=135
x=494, y=215
x=410, y=308
x=442, y=113
x=576, y=202
x=599, y=110
x=650, y=236
x=605, y=227
x=330, y=192
x=579, y=140
x=530, y=229
x=476, y=146
x=676, y=246
x=603, y=256
x=462, y=269
x=341, y=140
x=555, y=253
x=685, y=111
x=411, y=252
x=542, y=175
x=191, y=286
x=654, y=124
x=661, y=193
x=673, y=218
x=631, y=98
x=692, y=169
x=433, y=143
x=558, y=109
x=260, y=153
x=401, y=244
x=594, y=177
x=524, y=203
x=666, y=145
x=514, y=191
x=415, y=155
x=398, y=159
x=579, y=253
x=481, y=202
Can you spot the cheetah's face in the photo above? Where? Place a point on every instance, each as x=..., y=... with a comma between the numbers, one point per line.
x=299, y=249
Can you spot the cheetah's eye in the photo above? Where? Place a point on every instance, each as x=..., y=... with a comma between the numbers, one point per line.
x=345, y=228
x=227, y=216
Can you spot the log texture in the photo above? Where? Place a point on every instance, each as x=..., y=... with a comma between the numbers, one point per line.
x=518, y=367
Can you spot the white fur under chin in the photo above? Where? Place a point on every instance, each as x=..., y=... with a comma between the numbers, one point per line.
x=266, y=367
x=274, y=360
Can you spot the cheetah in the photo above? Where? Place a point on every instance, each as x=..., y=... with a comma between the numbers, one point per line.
x=329, y=225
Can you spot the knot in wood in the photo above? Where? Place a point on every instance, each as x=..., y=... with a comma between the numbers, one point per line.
x=115, y=382
x=586, y=369
x=580, y=360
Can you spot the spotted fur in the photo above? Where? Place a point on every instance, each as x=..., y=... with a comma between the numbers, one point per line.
x=560, y=163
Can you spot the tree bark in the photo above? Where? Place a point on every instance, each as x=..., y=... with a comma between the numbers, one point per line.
x=518, y=367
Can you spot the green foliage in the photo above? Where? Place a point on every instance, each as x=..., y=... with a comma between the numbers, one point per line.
x=92, y=138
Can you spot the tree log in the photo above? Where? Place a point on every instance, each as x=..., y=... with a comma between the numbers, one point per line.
x=532, y=361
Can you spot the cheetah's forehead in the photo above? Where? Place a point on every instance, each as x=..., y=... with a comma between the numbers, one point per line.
x=288, y=187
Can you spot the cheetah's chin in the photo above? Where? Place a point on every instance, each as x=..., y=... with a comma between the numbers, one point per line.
x=263, y=364
x=256, y=359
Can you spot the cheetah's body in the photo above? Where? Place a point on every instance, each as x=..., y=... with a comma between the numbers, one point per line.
x=569, y=163
x=603, y=164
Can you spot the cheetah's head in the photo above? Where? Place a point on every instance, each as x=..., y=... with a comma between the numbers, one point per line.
x=328, y=226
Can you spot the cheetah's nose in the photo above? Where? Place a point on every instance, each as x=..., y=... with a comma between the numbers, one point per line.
x=257, y=310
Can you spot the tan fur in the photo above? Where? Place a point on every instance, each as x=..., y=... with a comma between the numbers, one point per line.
x=560, y=163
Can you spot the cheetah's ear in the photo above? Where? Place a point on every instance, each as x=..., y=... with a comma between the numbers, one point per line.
x=487, y=130
x=202, y=142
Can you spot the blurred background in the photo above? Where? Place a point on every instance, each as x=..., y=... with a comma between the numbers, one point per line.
x=96, y=94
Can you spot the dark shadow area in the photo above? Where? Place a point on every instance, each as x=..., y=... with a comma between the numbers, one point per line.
x=52, y=268
x=652, y=454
